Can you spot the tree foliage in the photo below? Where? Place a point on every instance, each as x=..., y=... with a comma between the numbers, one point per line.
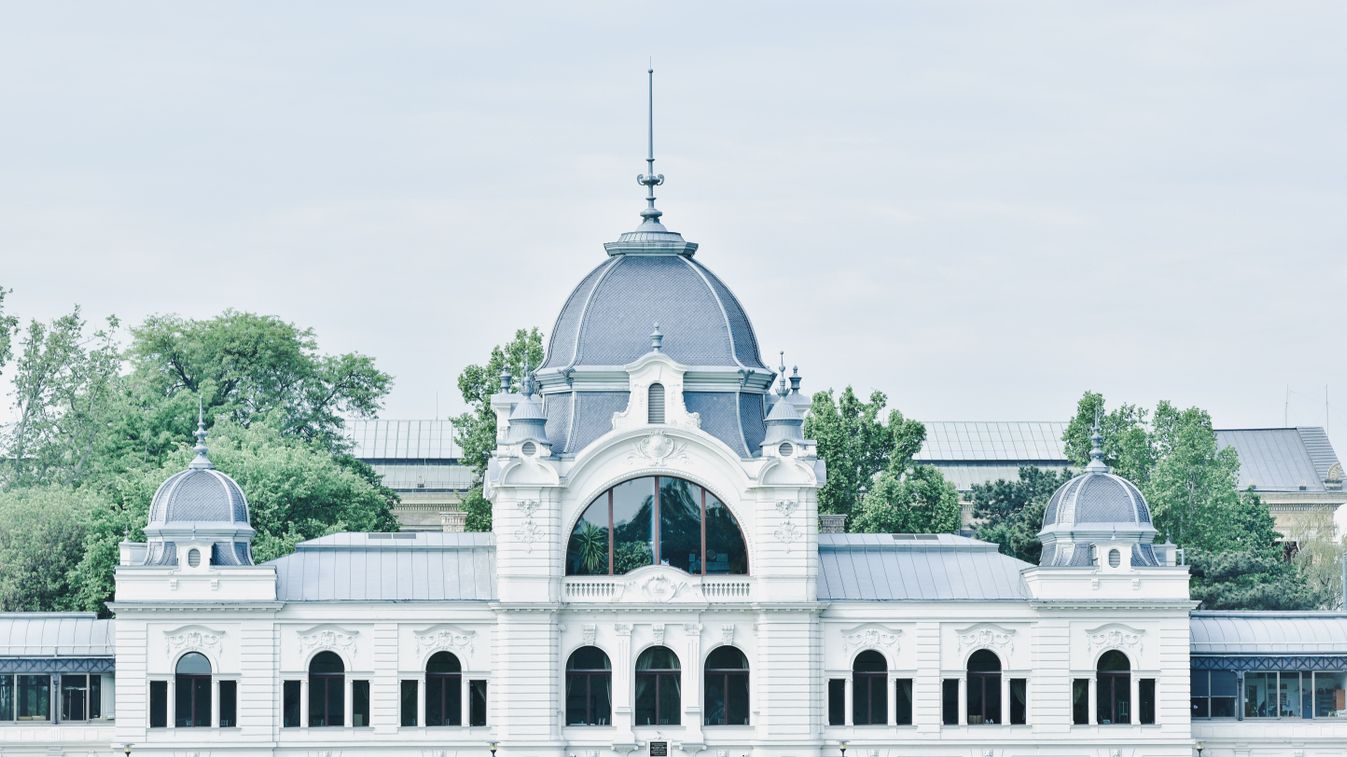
x=1010, y=513
x=42, y=535
x=872, y=476
x=475, y=430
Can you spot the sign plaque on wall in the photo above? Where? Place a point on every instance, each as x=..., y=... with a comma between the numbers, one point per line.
x=659, y=749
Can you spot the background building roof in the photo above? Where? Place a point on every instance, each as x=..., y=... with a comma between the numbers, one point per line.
x=55, y=634
x=915, y=567
x=403, y=440
x=1268, y=633
x=1281, y=459
x=1017, y=441
x=383, y=567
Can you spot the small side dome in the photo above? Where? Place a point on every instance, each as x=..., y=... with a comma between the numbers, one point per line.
x=1093, y=508
x=200, y=504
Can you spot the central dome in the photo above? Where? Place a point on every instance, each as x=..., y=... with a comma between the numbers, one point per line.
x=607, y=319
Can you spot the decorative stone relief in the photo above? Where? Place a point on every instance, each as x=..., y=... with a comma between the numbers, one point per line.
x=328, y=637
x=589, y=634
x=693, y=629
x=872, y=635
x=193, y=637
x=788, y=532
x=447, y=638
x=658, y=632
x=622, y=629
x=1115, y=636
x=528, y=532
x=727, y=635
x=987, y=636
x=656, y=450
x=662, y=588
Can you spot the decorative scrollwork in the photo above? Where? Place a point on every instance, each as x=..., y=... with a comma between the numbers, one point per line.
x=871, y=636
x=449, y=638
x=788, y=531
x=528, y=532
x=1114, y=636
x=987, y=636
x=193, y=638
x=328, y=637
x=657, y=449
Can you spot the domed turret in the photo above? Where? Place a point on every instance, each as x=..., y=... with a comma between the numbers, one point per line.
x=201, y=513
x=1095, y=518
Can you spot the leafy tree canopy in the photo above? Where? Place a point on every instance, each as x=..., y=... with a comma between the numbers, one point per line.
x=1010, y=513
x=475, y=430
x=872, y=476
x=42, y=534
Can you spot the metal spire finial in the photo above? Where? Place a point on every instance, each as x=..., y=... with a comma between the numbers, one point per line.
x=782, y=389
x=201, y=460
x=656, y=338
x=650, y=179
x=1096, y=447
x=795, y=380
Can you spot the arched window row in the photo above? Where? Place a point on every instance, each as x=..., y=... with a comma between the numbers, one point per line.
x=199, y=697
x=984, y=696
x=656, y=520
x=657, y=683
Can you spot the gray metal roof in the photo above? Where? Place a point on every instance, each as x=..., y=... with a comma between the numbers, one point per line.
x=1280, y=459
x=1012, y=441
x=915, y=567
x=413, y=476
x=403, y=440
x=1268, y=633
x=606, y=321
x=397, y=567
x=198, y=495
x=55, y=634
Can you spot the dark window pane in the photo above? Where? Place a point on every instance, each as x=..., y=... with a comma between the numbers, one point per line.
x=1019, y=701
x=1080, y=701
x=902, y=692
x=1146, y=701
x=359, y=703
x=670, y=700
x=34, y=695
x=95, y=697
x=949, y=701
x=191, y=702
x=409, y=703
x=837, y=701
x=633, y=524
x=1201, y=707
x=1223, y=707
x=477, y=703
x=6, y=697
x=327, y=700
x=587, y=552
x=680, y=519
x=290, y=704
x=228, y=704
x=1199, y=683
x=74, y=697
x=158, y=704
x=725, y=551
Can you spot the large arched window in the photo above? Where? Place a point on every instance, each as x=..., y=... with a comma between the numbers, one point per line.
x=656, y=520
x=327, y=690
x=444, y=690
x=984, y=688
x=1113, y=677
x=726, y=687
x=589, y=688
x=658, y=688
x=191, y=686
x=869, y=689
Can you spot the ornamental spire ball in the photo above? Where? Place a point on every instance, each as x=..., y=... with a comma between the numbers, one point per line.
x=650, y=179
x=201, y=462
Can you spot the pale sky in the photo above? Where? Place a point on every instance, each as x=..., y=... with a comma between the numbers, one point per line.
x=982, y=209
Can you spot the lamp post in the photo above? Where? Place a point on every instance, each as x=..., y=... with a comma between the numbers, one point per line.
x=843, y=747
x=492, y=746
x=1199, y=746
x=126, y=749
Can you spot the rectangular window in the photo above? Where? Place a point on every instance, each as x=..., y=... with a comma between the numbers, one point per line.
x=95, y=697
x=6, y=697
x=949, y=701
x=1080, y=701
x=409, y=703
x=191, y=701
x=74, y=697
x=290, y=704
x=1146, y=701
x=1260, y=695
x=1019, y=701
x=158, y=704
x=902, y=697
x=34, y=697
x=837, y=701
x=1330, y=695
x=359, y=703
x=477, y=702
x=1213, y=693
x=229, y=698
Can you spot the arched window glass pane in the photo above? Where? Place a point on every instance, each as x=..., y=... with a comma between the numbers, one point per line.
x=726, y=687
x=869, y=689
x=984, y=688
x=688, y=527
x=444, y=690
x=327, y=690
x=1113, y=694
x=658, y=688
x=589, y=688
x=193, y=664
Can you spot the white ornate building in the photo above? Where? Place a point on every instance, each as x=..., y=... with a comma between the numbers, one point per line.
x=656, y=584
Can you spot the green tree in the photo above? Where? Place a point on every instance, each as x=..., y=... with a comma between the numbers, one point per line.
x=1127, y=441
x=1318, y=558
x=1010, y=513
x=42, y=533
x=8, y=325
x=475, y=430
x=872, y=476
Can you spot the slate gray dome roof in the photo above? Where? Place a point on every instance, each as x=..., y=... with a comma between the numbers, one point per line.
x=198, y=495
x=606, y=320
x=1096, y=497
